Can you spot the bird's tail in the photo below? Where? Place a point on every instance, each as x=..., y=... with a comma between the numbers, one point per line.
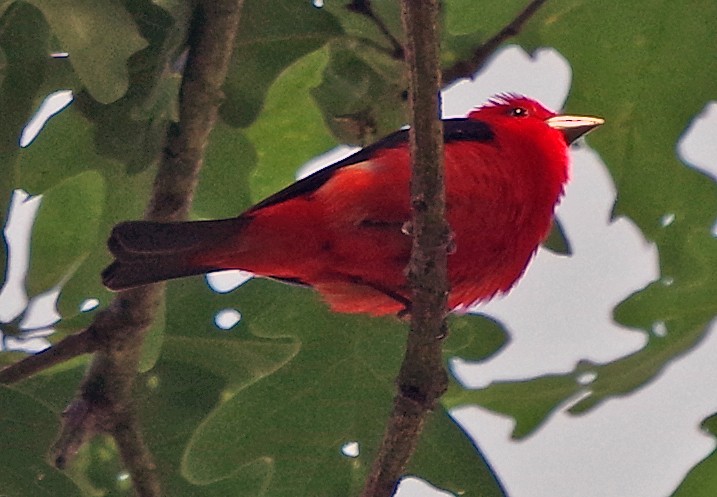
x=147, y=252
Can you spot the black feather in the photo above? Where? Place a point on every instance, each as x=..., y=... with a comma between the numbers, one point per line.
x=459, y=129
x=147, y=252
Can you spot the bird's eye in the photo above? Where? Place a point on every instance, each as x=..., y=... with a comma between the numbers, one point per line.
x=518, y=112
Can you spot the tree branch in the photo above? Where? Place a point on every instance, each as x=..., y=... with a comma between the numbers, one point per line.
x=64, y=350
x=422, y=378
x=136, y=455
x=467, y=68
x=103, y=403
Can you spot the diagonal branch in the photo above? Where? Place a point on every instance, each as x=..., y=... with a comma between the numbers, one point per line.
x=422, y=378
x=64, y=350
x=467, y=68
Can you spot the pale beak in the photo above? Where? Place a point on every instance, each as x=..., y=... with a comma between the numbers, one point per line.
x=573, y=127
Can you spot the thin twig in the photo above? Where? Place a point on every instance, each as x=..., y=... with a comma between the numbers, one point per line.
x=368, y=42
x=422, y=378
x=64, y=350
x=365, y=8
x=468, y=68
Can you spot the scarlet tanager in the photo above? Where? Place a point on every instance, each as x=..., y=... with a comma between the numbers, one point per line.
x=342, y=230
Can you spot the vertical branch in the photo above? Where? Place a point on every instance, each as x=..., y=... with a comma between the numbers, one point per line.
x=422, y=378
x=211, y=43
x=104, y=402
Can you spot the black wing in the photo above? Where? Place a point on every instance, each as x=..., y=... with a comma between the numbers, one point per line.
x=460, y=129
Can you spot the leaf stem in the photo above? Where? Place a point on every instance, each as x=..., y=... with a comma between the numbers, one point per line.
x=467, y=68
x=365, y=8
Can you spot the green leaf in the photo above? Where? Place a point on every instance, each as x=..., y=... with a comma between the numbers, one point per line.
x=289, y=367
x=447, y=457
x=224, y=187
x=337, y=389
x=65, y=149
x=238, y=362
x=174, y=398
x=363, y=31
x=359, y=96
x=702, y=480
x=199, y=366
x=121, y=204
x=364, y=91
x=133, y=128
x=28, y=428
x=65, y=230
x=272, y=35
x=557, y=242
x=629, y=373
x=637, y=139
x=638, y=145
x=100, y=36
x=464, y=17
x=24, y=38
x=529, y=402
x=193, y=337
x=4, y=5
x=291, y=129
x=474, y=337
x=152, y=345
x=23, y=42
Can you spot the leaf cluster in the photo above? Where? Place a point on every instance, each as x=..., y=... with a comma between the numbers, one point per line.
x=265, y=408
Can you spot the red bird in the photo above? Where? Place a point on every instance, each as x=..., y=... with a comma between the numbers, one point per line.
x=340, y=230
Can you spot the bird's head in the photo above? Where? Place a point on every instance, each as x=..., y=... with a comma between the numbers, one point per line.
x=509, y=106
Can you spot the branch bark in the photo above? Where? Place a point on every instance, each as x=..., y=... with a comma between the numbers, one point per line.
x=422, y=378
x=70, y=347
